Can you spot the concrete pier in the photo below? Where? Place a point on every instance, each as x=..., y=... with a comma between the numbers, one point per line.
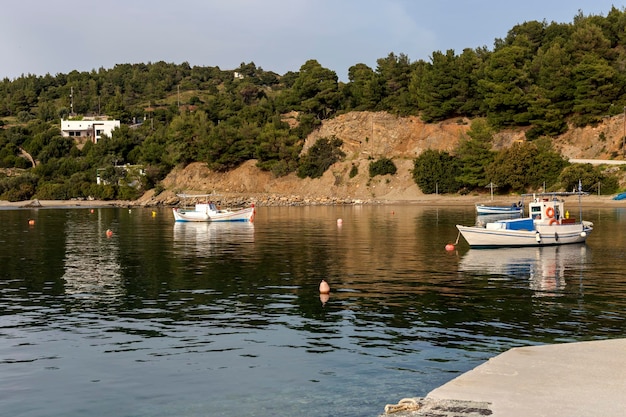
x=564, y=380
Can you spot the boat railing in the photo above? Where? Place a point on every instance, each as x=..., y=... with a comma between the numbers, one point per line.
x=554, y=196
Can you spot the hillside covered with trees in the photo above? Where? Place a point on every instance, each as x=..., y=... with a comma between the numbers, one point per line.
x=544, y=78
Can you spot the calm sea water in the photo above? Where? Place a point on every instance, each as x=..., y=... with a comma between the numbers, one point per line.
x=165, y=319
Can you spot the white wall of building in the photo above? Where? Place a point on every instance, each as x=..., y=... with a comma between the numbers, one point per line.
x=93, y=129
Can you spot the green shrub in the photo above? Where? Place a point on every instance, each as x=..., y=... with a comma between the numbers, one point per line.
x=353, y=171
x=436, y=171
x=158, y=189
x=51, y=191
x=18, y=188
x=591, y=178
x=383, y=166
x=320, y=157
x=128, y=193
x=102, y=192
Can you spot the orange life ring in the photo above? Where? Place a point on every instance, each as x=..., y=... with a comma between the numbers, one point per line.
x=550, y=212
x=552, y=221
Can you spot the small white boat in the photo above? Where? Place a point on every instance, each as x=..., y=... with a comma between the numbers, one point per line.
x=209, y=212
x=547, y=224
x=489, y=209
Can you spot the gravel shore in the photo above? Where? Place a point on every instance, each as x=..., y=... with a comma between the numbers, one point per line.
x=269, y=200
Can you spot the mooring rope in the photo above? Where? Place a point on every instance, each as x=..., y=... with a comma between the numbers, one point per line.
x=405, y=404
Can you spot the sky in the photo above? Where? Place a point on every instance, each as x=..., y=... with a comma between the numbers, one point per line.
x=51, y=37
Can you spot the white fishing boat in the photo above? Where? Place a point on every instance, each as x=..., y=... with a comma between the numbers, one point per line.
x=209, y=212
x=547, y=223
x=492, y=209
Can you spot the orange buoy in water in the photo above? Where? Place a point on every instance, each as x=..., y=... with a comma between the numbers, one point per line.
x=450, y=247
x=324, y=287
x=109, y=232
x=339, y=222
x=324, y=298
x=31, y=222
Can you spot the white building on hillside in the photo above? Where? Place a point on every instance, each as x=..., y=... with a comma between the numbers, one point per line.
x=91, y=128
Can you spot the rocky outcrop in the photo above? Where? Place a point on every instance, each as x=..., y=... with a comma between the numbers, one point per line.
x=368, y=136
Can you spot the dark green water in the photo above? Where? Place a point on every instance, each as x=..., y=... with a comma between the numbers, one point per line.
x=165, y=319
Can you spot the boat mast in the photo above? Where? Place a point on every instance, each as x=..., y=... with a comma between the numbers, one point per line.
x=580, y=204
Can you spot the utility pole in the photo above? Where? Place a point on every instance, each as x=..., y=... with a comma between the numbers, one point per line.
x=491, y=186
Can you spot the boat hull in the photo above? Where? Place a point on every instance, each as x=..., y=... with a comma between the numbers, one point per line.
x=540, y=235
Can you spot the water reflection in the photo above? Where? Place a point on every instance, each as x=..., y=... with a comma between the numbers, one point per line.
x=546, y=268
x=91, y=263
x=203, y=239
x=169, y=319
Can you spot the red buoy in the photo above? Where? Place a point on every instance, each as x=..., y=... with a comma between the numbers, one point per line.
x=450, y=247
x=324, y=287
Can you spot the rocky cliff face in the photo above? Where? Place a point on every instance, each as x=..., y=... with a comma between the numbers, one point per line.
x=369, y=136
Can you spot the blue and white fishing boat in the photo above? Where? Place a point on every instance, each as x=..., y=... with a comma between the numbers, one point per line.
x=514, y=208
x=547, y=223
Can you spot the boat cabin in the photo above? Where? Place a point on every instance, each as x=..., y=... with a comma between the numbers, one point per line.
x=542, y=211
x=549, y=211
x=207, y=207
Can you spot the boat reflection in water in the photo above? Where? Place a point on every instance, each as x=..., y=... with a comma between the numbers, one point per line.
x=202, y=239
x=546, y=268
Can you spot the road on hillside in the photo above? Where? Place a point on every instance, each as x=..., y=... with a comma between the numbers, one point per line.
x=597, y=161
